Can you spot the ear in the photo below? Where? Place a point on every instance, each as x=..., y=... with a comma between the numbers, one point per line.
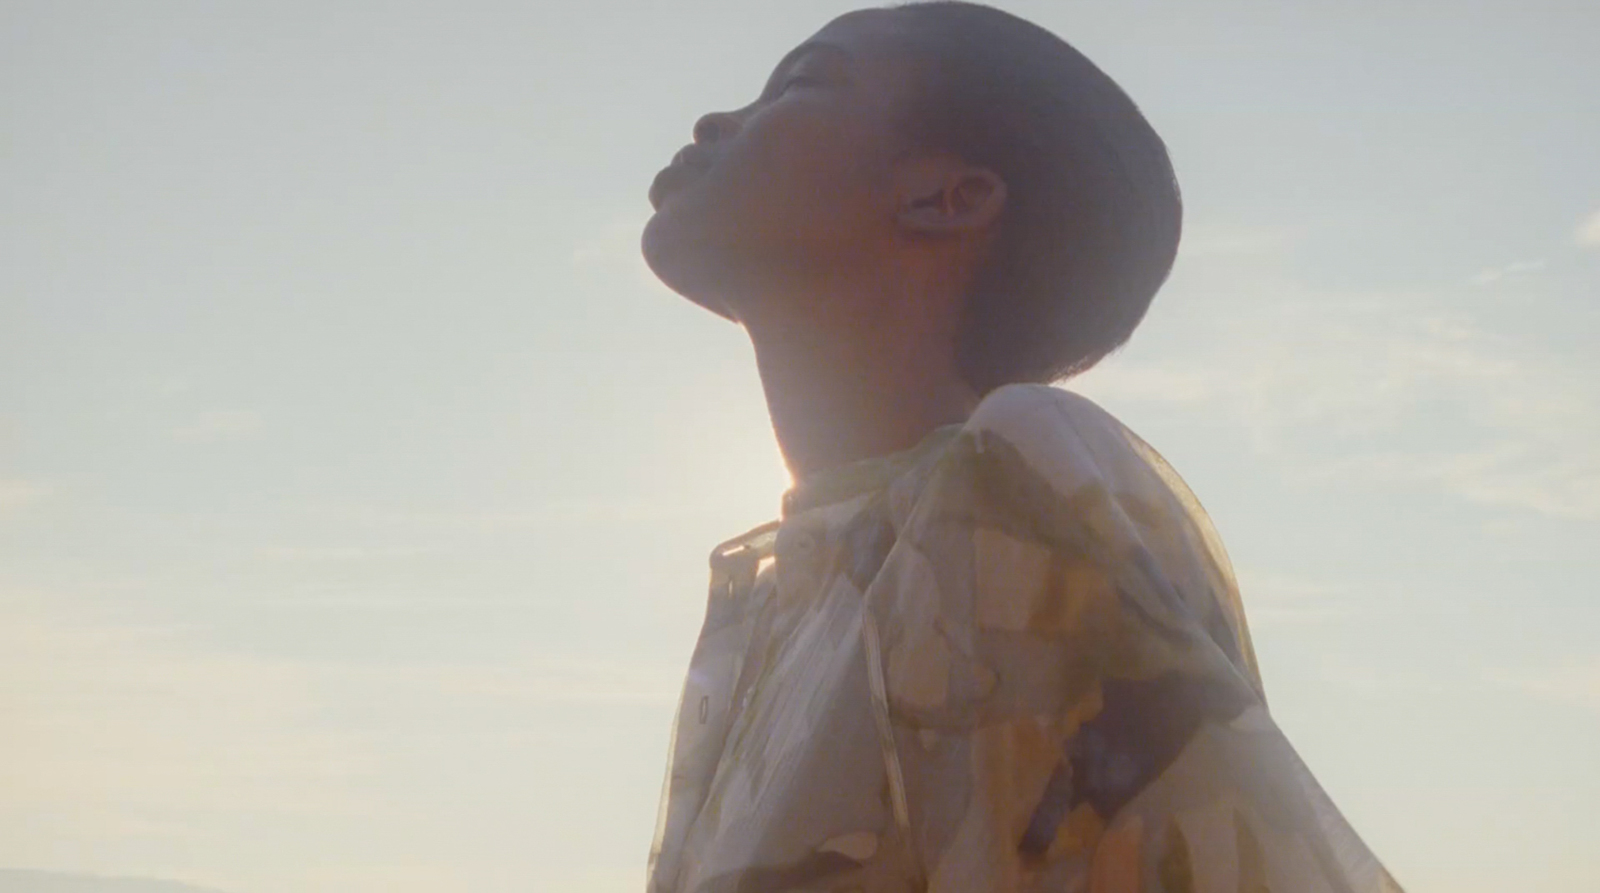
x=944, y=196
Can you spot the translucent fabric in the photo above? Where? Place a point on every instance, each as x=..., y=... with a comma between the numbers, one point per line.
x=1011, y=659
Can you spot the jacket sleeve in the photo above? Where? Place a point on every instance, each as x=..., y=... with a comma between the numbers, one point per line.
x=1067, y=705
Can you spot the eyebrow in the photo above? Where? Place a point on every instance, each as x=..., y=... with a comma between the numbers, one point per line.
x=809, y=47
x=803, y=50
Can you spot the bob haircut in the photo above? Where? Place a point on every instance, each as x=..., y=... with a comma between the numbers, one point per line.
x=1093, y=215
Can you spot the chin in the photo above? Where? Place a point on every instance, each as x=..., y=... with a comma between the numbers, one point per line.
x=681, y=261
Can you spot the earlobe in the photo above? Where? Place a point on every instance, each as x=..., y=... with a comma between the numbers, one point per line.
x=952, y=201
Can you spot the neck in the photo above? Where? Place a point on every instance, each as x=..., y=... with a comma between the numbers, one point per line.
x=858, y=372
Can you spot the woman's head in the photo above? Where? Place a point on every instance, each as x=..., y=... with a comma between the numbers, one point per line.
x=949, y=131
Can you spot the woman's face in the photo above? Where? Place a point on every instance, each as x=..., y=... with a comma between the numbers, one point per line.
x=794, y=186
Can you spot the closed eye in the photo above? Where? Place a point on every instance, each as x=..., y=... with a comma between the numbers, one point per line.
x=799, y=81
x=800, y=59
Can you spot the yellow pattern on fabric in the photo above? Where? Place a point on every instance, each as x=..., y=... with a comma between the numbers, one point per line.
x=1011, y=660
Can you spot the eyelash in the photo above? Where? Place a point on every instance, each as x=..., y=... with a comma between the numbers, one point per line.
x=799, y=80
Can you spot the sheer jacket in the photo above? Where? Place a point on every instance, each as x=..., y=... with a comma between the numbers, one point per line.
x=1013, y=658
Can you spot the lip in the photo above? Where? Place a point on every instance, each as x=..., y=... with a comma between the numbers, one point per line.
x=686, y=166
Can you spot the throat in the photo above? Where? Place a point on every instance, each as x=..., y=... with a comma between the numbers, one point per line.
x=836, y=401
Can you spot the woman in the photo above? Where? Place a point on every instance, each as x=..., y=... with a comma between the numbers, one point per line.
x=993, y=644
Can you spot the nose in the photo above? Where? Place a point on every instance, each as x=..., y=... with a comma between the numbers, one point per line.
x=715, y=127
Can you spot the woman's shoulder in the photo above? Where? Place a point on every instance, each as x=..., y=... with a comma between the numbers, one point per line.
x=1029, y=449
x=1016, y=407
x=1045, y=464
x=1065, y=437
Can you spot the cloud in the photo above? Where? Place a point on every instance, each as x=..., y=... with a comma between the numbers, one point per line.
x=141, y=720
x=1523, y=475
x=1514, y=270
x=117, y=727
x=617, y=240
x=1573, y=681
x=19, y=494
x=558, y=679
x=1403, y=388
x=143, y=748
x=1148, y=383
x=1219, y=241
x=20, y=881
x=219, y=425
x=555, y=512
x=1589, y=231
x=340, y=553
x=613, y=249
x=1386, y=682
x=1273, y=599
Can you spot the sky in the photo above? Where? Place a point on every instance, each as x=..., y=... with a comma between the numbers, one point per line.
x=357, y=480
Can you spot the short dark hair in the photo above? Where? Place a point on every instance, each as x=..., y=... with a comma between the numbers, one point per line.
x=1093, y=215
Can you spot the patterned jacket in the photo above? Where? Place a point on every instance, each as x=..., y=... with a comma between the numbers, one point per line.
x=1012, y=658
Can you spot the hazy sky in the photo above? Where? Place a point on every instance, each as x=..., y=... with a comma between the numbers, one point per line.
x=356, y=481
